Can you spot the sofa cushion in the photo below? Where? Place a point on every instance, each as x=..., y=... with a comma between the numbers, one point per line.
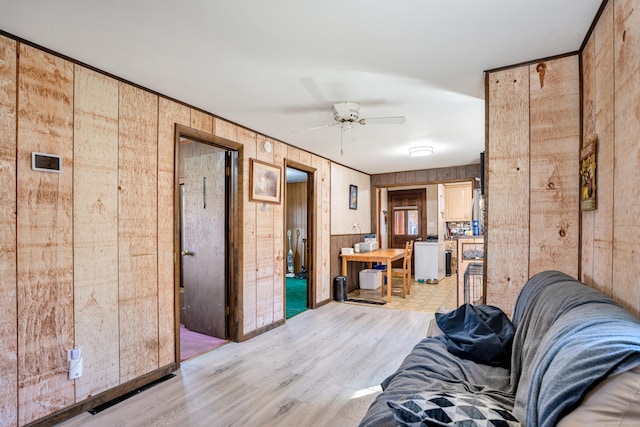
x=615, y=401
x=429, y=366
x=482, y=333
x=450, y=409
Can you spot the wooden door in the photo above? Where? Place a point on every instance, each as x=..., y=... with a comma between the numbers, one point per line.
x=204, y=238
x=408, y=219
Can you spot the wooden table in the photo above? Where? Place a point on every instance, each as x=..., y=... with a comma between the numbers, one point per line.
x=385, y=256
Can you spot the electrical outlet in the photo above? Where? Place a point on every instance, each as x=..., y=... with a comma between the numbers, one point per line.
x=74, y=356
x=75, y=368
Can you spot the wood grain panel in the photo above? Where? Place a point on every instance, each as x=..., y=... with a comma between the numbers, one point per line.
x=555, y=146
x=138, y=232
x=8, y=302
x=305, y=157
x=602, y=273
x=169, y=114
x=323, y=224
x=426, y=176
x=225, y=129
x=201, y=121
x=244, y=137
x=316, y=163
x=265, y=255
x=293, y=153
x=279, y=152
x=507, y=155
x=337, y=242
x=44, y=239
x=588, y=58
x=249, y=237
x=95, y=225
x=626, y=232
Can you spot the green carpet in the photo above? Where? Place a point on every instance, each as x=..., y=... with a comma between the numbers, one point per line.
x=296, y=296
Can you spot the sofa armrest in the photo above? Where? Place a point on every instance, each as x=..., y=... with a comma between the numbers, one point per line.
x=614, y=401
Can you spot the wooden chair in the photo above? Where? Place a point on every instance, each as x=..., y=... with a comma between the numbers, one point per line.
x=404, y=272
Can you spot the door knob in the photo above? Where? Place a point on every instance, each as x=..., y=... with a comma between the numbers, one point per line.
x=187, y=253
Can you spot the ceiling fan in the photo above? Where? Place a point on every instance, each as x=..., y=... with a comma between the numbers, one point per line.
x=346, y=113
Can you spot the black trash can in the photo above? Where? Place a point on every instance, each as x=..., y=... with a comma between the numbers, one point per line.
x=340, y=288
x=447, y=263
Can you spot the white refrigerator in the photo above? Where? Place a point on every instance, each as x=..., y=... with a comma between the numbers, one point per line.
x=429, y=260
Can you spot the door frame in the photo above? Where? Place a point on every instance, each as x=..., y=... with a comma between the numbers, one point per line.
x=234, y=227
x=423, y=219
x=311, y=232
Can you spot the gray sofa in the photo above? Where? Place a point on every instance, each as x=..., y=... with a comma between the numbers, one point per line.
x=574, y=361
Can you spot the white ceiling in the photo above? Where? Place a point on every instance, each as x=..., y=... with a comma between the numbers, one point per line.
x=277, y=66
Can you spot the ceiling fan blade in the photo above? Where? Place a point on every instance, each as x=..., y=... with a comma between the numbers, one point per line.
x=394, y=120
x=314, y=90
x=316, y=127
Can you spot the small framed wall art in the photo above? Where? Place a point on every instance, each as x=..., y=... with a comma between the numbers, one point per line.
x=265, y=182
x=353, y=197
x=588, y=163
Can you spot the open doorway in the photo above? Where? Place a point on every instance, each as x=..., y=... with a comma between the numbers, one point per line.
x=408, y=218
x=206, y=181
x=299, y=196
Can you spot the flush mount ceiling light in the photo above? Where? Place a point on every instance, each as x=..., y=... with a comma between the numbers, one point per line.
x=420, y=151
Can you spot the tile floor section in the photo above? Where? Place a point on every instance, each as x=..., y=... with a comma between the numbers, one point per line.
x=424, y=297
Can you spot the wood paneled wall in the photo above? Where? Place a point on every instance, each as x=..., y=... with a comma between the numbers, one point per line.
x=339, y=241
x=170, y=113
x=95, y=229
x=532, y=153
x=44, y=234
x=88, y=254
x=426, y=176
x=322, y=224
x=8, y=263
x=610, y=244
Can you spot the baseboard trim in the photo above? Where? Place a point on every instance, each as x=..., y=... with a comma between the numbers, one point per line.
x=321, y=303
x=261, y=330
x=104, y=397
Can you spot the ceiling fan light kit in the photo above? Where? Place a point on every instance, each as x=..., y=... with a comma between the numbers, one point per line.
x=420, y=151
x=346, y=113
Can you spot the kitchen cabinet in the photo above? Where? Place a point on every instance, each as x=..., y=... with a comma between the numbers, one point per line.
x=457, y=202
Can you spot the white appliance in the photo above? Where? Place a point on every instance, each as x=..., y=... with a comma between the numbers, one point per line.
x=429, y=260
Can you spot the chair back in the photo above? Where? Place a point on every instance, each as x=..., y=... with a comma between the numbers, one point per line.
x=408, y=252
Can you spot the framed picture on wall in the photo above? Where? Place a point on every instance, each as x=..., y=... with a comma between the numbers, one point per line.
x=588, y=163
x=353, y=197
x=265, y=182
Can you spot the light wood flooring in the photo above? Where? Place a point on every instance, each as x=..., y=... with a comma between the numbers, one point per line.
x=322, y=368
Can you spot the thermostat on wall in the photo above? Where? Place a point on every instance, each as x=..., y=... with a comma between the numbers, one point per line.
x=46, y=162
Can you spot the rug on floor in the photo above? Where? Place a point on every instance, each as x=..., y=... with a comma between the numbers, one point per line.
x=366, y=301
x=194, y=344
x=296, y=296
